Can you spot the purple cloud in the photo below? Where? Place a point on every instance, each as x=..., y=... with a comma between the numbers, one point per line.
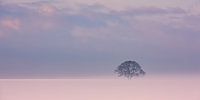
x=49, y=38
x=146, y=11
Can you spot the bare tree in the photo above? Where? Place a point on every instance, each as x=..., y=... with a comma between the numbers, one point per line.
x=129, y=69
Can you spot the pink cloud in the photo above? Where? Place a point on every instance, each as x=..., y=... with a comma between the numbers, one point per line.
x=8, y=23
x=47, y=9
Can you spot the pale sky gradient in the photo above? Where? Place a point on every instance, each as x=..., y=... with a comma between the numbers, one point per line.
x=92, y=37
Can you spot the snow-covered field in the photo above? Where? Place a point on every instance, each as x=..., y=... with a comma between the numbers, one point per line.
x=146, y=88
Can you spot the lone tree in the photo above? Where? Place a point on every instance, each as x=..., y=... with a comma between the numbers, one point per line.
x=129, y=69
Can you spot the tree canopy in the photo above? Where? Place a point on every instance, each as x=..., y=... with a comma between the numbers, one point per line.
x=129, y=69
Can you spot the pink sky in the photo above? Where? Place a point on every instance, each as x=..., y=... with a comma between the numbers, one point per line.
x=92, y=37
x=148, y=88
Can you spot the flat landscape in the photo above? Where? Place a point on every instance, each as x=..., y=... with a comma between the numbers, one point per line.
x=76, y=49
x=146, y=88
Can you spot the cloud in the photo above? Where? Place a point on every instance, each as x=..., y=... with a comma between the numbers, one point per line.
x=116, y=5
x=43, y=7
x=47, y=9
x=13, y=24
x=154, y=11
x=119, y=5
x=94, y=35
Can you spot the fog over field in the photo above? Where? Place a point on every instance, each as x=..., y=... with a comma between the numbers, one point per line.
x=72, y=49
x=146, y=88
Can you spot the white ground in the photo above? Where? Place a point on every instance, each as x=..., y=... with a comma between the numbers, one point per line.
x=147, y=88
